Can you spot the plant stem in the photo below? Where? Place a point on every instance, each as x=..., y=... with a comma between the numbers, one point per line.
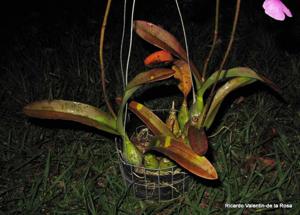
x=186, y=48
x=215, y=37
x=122, y=44
x=212, y=92
x=102, y=70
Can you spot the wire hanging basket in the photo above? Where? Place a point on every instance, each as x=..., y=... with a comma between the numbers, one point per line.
x=153, y=184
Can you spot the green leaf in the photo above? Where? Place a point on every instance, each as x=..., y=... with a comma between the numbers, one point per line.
x=120, y=117
x=73, y=111
x=183, y=115
x=230, y=73
x=152, y=121
x=184, y=156
x=161, y=38
x=235, y=72
x=220, y=95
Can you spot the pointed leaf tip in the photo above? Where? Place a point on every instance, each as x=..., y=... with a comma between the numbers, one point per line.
x=72, y=111
x=184, y=156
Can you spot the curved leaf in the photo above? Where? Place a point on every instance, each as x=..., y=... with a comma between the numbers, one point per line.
x=158, y=58
x=161, y=38
x=222, y=92
x=142, y=78
x=73, y=111
x=184, y=156
x=153, y=122
x=152, y=75
x=230, y=73
x=235, y=72
x=183, y=74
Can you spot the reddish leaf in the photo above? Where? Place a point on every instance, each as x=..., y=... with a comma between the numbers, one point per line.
x=184, y=156
x=158, y=57
x=198, y=140
x=152, y=75
x=159, y=37
x=163, y=39
x=153, y=122
x=183, y=74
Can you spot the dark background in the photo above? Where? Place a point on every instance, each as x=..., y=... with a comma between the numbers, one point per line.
x=55, y=17
x=47, y=30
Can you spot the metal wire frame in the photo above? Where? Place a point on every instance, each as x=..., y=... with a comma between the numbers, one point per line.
x=159, y=185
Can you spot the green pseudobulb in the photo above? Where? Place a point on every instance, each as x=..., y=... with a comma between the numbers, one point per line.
x=150, y=161
x=131, y=154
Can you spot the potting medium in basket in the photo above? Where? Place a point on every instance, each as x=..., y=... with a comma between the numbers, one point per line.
x=153, y=184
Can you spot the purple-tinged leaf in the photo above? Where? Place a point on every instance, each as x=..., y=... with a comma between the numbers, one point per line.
x=198, y=140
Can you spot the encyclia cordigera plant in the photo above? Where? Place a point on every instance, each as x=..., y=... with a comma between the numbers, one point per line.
x=182, y=138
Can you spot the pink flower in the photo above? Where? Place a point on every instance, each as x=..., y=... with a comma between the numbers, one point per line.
x=276, y=9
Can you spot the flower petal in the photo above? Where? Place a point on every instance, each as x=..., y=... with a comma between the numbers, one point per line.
x=276, y=9
x=267, y=3
x=286, y=11
x=275, y=13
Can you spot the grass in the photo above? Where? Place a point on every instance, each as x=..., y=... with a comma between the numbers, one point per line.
x=64, y=168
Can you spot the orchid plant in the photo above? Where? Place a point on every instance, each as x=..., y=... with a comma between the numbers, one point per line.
x=182, y=136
